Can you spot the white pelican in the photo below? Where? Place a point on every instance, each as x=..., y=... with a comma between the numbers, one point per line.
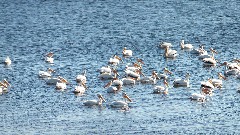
x=95, y=102
x=45, y=74
x=113, y=89
x=49, y=57
x=106, y=75
x=207, y=87
x=165, y=44
x=4, y=85
x=231, y=68
x=161, y=89
x=182, y=82
x=163, y=75
x=7, y=61
x=61, y=85
x=115, y=60
x=80, y=89
x=169, y=53
x=149, y=79
x=121, y=104
x=185, y=46
x=135, y=74
x=106, y=69
x=117, y=82
x=218, y=82
x=199, y=51
x=209, y=62
x=128, y=81
x=82, y=78
x=126, y=53
x=198, y=97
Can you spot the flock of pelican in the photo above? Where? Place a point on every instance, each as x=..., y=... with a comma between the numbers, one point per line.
x=133, y=74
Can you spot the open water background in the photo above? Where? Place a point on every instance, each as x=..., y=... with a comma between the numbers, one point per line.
x=85, y=34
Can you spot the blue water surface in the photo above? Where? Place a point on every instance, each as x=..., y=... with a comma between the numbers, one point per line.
x=84, y=34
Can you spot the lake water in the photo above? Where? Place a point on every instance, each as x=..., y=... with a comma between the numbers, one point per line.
x=85, y=34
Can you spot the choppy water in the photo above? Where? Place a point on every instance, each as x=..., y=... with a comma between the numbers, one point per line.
x=85, y=34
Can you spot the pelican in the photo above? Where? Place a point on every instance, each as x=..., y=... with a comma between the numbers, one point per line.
x=211, y=60
x=182, y=82
x=113, y=89
x=61, y=85
x=133, y=67
x=95, y=102
x=117, y=82
x=82, y=78
x=218, y=82
x=106, y=69
x=207, y=87
x=199, y=51
x=121, y=104
x=49, y=57
x=231, y=68
x=128, y=81
x=4, y=85
x=149, y=79
x=132, y=74
x=126, y=53
x=169, y=53
x=185, y=46
x=80, y=89
x=161, y=89
x=45, y=74
x=163, y=75
x=198, y=97
x=115, y=60
x=7, y=61
x=165, y=44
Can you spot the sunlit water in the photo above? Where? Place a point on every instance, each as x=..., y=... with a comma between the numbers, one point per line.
x=85, y=34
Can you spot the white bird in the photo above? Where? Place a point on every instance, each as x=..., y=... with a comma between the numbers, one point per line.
x=164, y=74
x=121, y=104
x=95, y=102
x=182, y=82
x=165, y=44
x=207, y=87
x=133, y=74
x=161, y=89
x=209, y=62
x=185, y=46
x=169, y=53
x=45, y=74
x=7, y=61
x=113, y=89
x=80, y=89
x=231, y=68
x=149, y=79
x=128, y=81
x=106, y=69
x=198, y=97
x=61, y=85
x=218, y=82
x=115, y=60
x=126, y=53
x=82, y=77
x=4, y=86
x=199, y=51
x=49, y=58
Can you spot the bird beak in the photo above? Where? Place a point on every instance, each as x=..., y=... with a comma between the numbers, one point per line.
x=6, y=82
x=128, y=99
x=2, y=84
x=102, y=98
x=63, y=80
